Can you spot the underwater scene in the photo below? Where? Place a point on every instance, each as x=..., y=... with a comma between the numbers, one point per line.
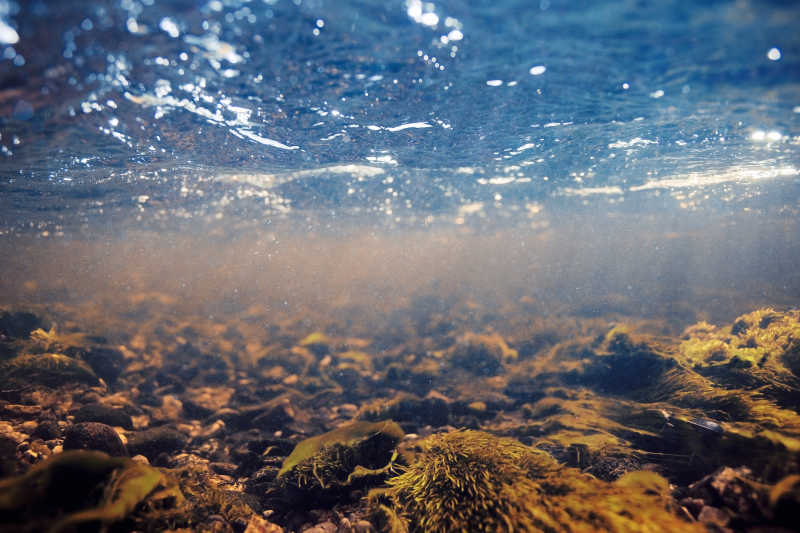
x=396, y=266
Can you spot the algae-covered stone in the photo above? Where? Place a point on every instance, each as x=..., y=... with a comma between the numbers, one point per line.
x=59, y=493
x=482, y=355
x=342, y=456
x=50, y=369
x=474, y=481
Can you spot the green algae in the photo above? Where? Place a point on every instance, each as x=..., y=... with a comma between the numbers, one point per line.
x=474, y=481
x=343, y=455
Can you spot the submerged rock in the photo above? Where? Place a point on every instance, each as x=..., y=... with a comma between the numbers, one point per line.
x=474, y=481
x=49, y=369
x=94, y=436
x=152, y=442
x=96, y=412
x=341, y=457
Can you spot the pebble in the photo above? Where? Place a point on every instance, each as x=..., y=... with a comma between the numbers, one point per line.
x=152, y=442
x=94, y=436
x=96, y=412
x=348, y=410
x=362, y=526
x=47, y=430
x=713, y=516
x=322, y=527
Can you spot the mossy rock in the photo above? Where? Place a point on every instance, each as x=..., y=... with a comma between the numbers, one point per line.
x=49, y=369
x=482, y=355
x=74, y=488
x=474, y=481
x=342, y=457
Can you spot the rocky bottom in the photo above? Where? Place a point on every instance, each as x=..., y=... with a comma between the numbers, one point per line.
x=441, y=418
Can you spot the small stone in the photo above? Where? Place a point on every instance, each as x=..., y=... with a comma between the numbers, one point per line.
x=29, y=425
x=170, y=409
x=227, y=469
x=348, y=410
x=274, y=417
x=322, y=527
x=94, y=436
x=713, y=516
x=106, y=362
x=362, y=526
x=259, y=525
x=141, y=459
x=111, y=416
x=152, y=442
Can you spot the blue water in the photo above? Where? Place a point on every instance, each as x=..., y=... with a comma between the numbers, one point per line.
x=400, y=110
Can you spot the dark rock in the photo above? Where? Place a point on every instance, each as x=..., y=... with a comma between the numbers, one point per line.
x=227, y=469
x=195, y=411
x=152, y=442
x=411, y=411
x=94, y=436
x=47, y=430
x=274, y=417
x=96, y=412
x=49, y=369
x=107, y=363
x=18, y=325
x=713, y=516
x=9, y=465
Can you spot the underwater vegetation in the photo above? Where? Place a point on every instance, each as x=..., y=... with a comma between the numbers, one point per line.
x=474, y=481
x=342, y=456
x=551, y=424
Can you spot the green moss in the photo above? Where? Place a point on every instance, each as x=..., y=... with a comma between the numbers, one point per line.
x=341, y=456
x=474, y=481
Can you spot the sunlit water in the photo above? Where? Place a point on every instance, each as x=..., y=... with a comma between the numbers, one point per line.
x=658, y=143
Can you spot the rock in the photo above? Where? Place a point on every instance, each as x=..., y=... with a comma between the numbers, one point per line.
x=152, y=442
x=106, y=362
x=195, y=411
x=362, y=526
x=322, y=527
x=227, y=469
x=274, y=417
x=94, y=436
x=47, y=430
x=96, y=412
x=259, y=525
x=8, y=456
x=50, y=369
x=713, y=516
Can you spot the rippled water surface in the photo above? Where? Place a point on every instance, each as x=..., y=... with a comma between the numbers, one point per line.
x=402, y=110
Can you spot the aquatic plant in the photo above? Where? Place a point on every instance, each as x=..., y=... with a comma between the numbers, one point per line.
x=64, y=483
x=475, y=481
x=342, y=456
x=482, y=355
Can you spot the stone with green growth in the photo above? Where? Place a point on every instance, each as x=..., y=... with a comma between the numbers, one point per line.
x=60, y=493
x=341, y=457
x=49, y=369
x=474, y=481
